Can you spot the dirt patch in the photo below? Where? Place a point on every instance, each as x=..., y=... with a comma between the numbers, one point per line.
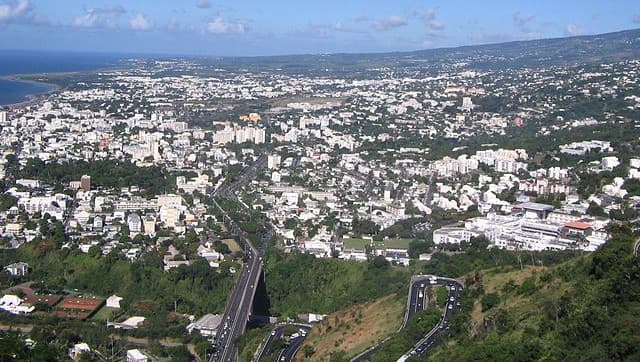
x=355, y=329
x=232, y=244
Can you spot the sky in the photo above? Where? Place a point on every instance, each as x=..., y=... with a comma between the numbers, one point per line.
x=272, y=27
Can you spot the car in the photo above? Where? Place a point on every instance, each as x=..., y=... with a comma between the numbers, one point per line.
x=452, y=299
x=450, y=306
x=421, y=285
x=453, y=288
x=273, y=333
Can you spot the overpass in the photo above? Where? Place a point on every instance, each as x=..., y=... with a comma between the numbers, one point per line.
x=238, y=307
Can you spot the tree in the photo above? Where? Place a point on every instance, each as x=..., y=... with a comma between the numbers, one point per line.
x=380, y=262
x=596, y=210
x=308, y=351
x=488, y=301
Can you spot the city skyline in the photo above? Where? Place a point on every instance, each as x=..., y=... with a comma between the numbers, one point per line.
x=224, y=28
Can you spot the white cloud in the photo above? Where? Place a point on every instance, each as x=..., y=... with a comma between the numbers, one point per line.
x=140, y=23
x=203, y=4
x=390, y=22
x=431, y=21
x=222, y=26
x=99, y=17
x=636, y=18
x=87, y=20
x=12, y=11
x=573, y=30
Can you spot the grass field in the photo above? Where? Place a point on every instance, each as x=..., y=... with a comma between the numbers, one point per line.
x=397, y=243
x=355, y=243
x=105, y=313
x=355, y=329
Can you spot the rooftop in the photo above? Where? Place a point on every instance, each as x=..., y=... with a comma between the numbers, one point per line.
x=536, y=206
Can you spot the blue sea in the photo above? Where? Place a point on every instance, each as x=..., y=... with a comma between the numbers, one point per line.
x=13, y=62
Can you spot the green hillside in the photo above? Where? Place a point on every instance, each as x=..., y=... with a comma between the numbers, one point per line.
x=585, y=309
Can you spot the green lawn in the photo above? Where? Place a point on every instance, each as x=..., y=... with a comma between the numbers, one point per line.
x=105, y=313
x=397, y=243
x=354, y=243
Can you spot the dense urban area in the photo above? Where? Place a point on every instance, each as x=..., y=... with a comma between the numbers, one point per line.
x=281, y=209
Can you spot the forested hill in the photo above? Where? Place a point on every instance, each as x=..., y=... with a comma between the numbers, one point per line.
x=587, y=309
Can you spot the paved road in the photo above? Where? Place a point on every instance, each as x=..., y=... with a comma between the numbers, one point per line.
x=453, y=304
x=415, y=304
x=238, y=307
x=287, y=354
x=416, y=298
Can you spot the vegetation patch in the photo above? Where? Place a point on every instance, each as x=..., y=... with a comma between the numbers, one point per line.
x=354, y=329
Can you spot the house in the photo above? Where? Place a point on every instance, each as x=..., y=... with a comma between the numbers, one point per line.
x=13, y=304
x=131, y=323
x=19, y=269
x=77, y=350
x=212, y=256
x=207, y=325
x=135, y=355
x=114, y=301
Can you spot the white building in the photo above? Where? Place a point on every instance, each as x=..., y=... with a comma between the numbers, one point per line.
x=135, y=355
x=135, y=223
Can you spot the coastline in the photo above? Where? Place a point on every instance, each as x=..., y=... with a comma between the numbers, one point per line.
x=30, y=98
x=39, y=96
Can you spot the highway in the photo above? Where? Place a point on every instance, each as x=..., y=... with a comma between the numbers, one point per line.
x=453, y=304
x=295, y=342
x=416, y=303
x=238, y=308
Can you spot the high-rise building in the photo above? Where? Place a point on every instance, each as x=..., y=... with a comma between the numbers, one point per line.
x=3, y=116
x=85, y=182
x=259, y=136
x=273, y=161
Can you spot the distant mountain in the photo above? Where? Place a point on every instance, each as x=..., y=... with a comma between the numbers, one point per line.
x=611, y=47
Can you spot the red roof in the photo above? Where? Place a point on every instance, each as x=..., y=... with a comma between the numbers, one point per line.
x=578, y=225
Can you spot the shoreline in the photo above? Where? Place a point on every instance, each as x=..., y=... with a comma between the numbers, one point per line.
x=30, y=98
x=36, y=97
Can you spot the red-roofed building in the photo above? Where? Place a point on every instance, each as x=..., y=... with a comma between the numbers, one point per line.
x=578, y=228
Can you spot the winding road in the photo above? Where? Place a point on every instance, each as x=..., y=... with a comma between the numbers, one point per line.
x=295, y=342
x=416, y=303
